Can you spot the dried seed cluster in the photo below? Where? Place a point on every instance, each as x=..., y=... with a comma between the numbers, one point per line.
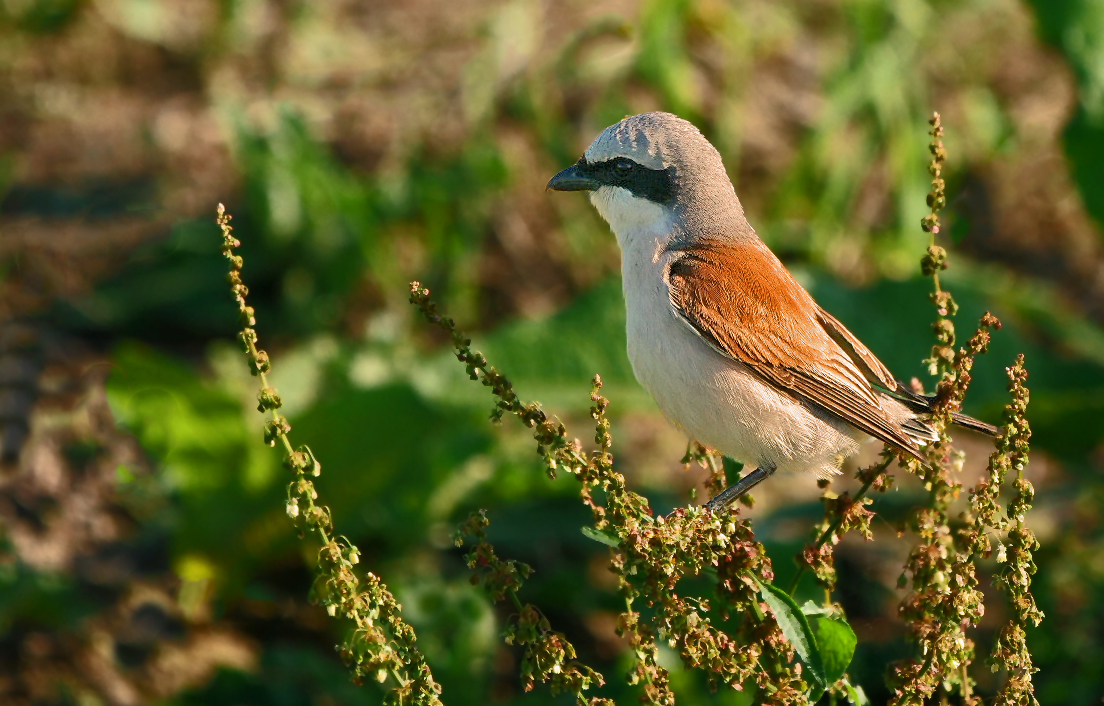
x=548, y=656
x=380, y=646
x=944, y=600
x=1011, y=652
x=842, y=514
x=733, y=637
x=935, y=259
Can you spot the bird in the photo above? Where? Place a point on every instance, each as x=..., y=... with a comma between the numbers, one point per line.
x=734, y=351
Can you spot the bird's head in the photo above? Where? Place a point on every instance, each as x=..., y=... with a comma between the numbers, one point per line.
x=650, y=171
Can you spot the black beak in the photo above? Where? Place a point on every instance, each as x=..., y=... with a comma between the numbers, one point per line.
x=571, y=180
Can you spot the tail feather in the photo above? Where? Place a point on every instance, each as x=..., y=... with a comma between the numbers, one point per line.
x=923, y=404
x=974, y=424
x=919, y=431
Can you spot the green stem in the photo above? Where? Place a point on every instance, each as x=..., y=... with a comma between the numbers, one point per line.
x=832, y=528
x=516, y=600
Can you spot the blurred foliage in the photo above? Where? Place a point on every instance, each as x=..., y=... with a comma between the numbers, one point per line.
x=1077, y=28
x=362, y=145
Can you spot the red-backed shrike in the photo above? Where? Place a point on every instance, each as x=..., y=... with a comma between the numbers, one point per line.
x=734, y=351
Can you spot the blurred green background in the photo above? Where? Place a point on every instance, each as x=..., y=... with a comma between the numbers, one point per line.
x=145, y=556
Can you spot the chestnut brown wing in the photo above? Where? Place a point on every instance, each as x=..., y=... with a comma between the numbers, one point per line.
x=744, y=303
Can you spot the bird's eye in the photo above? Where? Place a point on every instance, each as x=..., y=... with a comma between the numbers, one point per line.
x=623, y=166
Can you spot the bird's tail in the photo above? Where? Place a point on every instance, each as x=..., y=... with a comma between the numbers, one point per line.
x=923, y=405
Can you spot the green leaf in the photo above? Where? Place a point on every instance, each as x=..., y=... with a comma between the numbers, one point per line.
x=855, y=694
x=797, y=630
x=811, y=608
x=835, y=641
x=607, y=538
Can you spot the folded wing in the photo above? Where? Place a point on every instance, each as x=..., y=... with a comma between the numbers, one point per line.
x=775, y=328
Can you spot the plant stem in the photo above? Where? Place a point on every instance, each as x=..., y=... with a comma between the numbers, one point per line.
x=832, y=529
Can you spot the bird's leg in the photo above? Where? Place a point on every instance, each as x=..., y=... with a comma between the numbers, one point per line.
x=729, y=495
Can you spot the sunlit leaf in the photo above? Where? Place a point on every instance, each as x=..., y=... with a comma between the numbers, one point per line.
x=797, y=630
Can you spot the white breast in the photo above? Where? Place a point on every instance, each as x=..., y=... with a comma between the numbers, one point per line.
x=714, y=399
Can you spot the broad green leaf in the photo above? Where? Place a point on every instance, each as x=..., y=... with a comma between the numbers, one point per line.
x=796, y=628
x=835, y=641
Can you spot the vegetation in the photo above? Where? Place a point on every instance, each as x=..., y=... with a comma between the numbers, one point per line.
x=147, y=556
x=749, y=643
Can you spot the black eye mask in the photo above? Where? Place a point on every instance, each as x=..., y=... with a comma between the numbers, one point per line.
x=653, y=184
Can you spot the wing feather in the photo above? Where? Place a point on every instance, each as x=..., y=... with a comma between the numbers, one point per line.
x=870, y=366
x=774, y=327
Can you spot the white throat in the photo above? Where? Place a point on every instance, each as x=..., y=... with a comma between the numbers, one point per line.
x=633, y=220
